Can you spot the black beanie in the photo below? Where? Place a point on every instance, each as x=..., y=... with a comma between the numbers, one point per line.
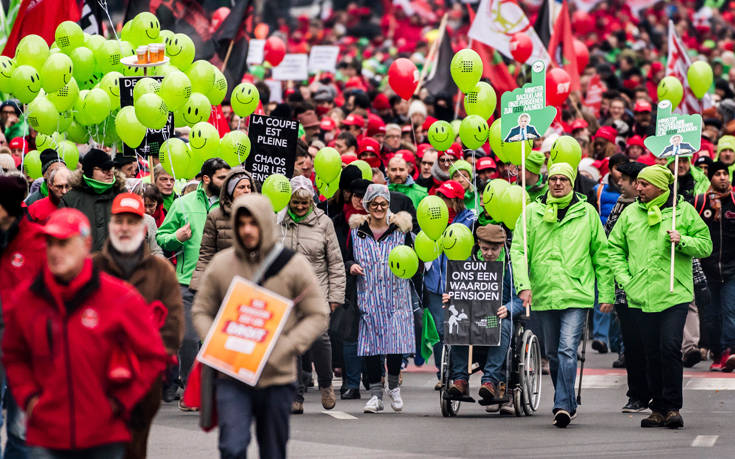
x=95, y=158
x=12, y=192
x=349, y=174
x=717, y=166
x=48, y=157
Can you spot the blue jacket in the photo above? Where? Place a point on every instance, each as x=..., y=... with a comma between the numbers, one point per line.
x=606, y=199
x=435, y=279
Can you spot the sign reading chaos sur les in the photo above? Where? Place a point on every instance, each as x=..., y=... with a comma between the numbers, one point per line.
x=153, y=137
x=274, y=146
x=676, y=135
x=523, y=113
x=476, y=292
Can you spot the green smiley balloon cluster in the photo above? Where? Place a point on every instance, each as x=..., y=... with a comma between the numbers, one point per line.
x=504, y=202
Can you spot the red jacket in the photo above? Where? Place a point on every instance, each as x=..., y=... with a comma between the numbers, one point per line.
x=59, y=344
x=23, y=258
x=41, y=210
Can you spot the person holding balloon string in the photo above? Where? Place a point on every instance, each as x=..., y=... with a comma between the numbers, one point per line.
x=462, y=173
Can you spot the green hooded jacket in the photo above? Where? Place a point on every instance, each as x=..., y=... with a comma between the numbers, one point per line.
x=640, y=255
x=414, y=192
x=191, y=208
x=538, y=189
x=564, y=258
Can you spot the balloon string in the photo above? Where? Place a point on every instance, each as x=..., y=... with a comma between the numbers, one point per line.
x=103, y=5
x=25, y=130
x=239, y=120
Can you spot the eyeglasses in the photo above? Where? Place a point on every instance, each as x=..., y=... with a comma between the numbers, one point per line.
x=8, y=112
x=61, y=187
x=446, y=160
x=378, y=205
x=427, y=163
x=557, y=178
x=392, y=136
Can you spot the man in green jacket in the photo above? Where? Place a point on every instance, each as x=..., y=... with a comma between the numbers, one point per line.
x=639, y=253
x=566, y=256
x=402, y=182
x=181, y=232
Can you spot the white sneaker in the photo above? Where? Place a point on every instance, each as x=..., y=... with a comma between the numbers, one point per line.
x=396, y=402
x=373, y=405
x=507, y=409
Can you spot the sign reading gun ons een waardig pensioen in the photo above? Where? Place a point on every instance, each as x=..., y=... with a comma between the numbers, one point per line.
x=274, y=146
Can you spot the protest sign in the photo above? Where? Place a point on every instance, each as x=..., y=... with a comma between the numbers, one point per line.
x=292, y=67
x=524, y=114
x=153, y=137
x=323, y=59
x=246, y=328
x=274, y=146
x=255, y=51
x=475, y=289
x=276, y=89
x=676, y=135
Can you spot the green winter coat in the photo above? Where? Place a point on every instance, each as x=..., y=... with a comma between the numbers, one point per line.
x=701, y=182
x=414, y=192
x=472, y=201
x=564, y=258
x=191, y=208
x=538, y=189
x=640, y=255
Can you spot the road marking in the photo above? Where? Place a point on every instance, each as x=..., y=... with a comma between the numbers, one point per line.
x=704, y=441
x=710, y=384
x=339, y=415
x=603, y=381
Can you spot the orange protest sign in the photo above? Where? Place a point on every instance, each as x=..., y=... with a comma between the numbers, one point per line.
x=246, y=328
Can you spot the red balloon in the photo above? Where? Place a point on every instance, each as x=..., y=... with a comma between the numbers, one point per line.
x=583, y=54
x=558, y=86
x=274, y=51
x=582, y=23
x=521, y=47
x=261, y=31
x=403, y=77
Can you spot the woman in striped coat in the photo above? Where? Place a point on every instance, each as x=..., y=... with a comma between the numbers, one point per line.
x=384, y=300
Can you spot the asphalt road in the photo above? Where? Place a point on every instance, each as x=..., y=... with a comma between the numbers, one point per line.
x=600, y=430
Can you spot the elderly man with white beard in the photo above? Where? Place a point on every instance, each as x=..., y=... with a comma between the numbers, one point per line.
x=127, y=256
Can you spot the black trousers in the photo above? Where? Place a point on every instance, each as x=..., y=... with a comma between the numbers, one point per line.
x=635, y=357
x=662, y=334
x=374, y=366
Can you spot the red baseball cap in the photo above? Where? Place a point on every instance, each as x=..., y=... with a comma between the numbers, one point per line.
x=353, y=120
x=406, y=128
x=642, y=106
x=485, y=163
x=429, y=121
x=17, y=142
x=407, y=156
x=607, y=132
x=636, y=140
x=421, y=149
x=375, y=125
x=368, y=144
x=381, y=102
x=128, y=203
x=578, y=124
x=451, y=189
x=65, y=223
x=327, y=124
x=347, y=158
x=455, y=150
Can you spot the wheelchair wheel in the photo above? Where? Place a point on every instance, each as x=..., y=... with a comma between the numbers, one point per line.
x=517, y=401
x=449, y=408
x=530, y=373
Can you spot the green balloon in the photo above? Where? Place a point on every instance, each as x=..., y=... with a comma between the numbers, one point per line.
x=511, y=205
x=426, y=249
x=326, y=189
x=68, y=36
x=125, y=33
x=244, y=99
x=328, y=164
x=42, y=115
x=457, y=242
x=110, y=83
x=219, y=89
x=7, y=66
x=174, y=157
x=258, y=71
x=151, y=111
x=196, y=109
x=93, y=42
x=81, y=116
x=367, y=171
x=491, y=197
x=670, y=88
x=473, y=131
x=130, y=130
x=700, y=77
x=65, y=119
x=466, y=69
x=432, y=215
x=180, y=51
x=481, y=100
x=164, y=35
x=33, y=51
x=32, y=164
x=277, y=188
x=26, y=83
x=96, y=105
x=76, y=133
x=145, y=28
x=56, y=72
x=204, y=140
x=566, y=149
x=145, y=85
x=455, y=127
x=92, y=82
x=403, y=261
x=69, y=153
x=441, y=135
x=512, y=151
x=64, y=98
x=496, y=141
x=163, y=70
x=83, y=63
x=175, y=89
x=108, y=56
x=201, y=73
x=44, y=141
x=235, y=148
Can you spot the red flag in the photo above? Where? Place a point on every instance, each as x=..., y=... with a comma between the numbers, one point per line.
x=40, y=17
x=593, y=98
x=561, y=46
x=218, y=120
x=677, y=65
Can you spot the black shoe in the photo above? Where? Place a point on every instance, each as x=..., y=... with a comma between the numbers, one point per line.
x=692, y=358
x=634, y=406
x=350, y=394
x=673, y=420
x=656, y=419
x=620, y=363
x=599, y=346
x=562, y=418
x=170, y=392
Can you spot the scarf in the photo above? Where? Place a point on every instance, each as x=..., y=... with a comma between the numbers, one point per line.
x=716, y=199
x=127, y=262
x=296, y=218
x=44, y=189
x=554, y=204
x=654, y=207
x=159, y=215
x=97, y=186
x=349, y=210
x=452, y=214
x=438, y=174
x=65, y=292
x=168, y=200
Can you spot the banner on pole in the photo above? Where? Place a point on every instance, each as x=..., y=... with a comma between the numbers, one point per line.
x=676, y=135
x=323, y=59
x=292, y=67
x=524, y=114
x=255, y=51
x=274, y=146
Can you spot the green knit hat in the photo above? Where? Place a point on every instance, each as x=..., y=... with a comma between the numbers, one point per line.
x=534, y=161
x=658, y=176
x=460, y=165
x=726, y=142
x=562, y=169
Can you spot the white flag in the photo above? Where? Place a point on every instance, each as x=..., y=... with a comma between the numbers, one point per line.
x=496, y=23
x=677, y=65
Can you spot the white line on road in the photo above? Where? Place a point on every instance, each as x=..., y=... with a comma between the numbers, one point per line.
x=339, y=415
x=704, y=441
x=710, y=384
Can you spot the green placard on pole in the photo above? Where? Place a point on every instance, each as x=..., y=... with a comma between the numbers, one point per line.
x=676, y=135
x=524, y=114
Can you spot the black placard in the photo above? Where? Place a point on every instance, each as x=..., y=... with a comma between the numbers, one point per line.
x=273, y=143
x=476, y=292
x=153, y=137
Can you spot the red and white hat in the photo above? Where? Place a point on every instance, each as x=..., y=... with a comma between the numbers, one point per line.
x=65, y=223
x=354, y=120
x=451, y=189
x=368, y=144
x=128, y=203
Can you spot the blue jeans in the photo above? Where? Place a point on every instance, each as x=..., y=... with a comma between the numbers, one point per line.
x=190, y=344
x=352, y=366
x=15, y=447
x=600, y=324
x=433, y=302
x=492, y=371
x=239, y=404
x=111, y=451
x=562, y=333
x=721, y=315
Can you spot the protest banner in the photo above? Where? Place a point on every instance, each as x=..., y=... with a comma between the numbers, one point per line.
x=475, y=290
x=274, y=146
x=323, y=59
x=246, y=328
x=153, y=138
x=255, y=51
x=292, y=67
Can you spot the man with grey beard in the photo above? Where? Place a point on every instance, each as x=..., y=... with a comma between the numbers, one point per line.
x=126, y=255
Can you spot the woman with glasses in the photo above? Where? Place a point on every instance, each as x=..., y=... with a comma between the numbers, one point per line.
x=386, y=316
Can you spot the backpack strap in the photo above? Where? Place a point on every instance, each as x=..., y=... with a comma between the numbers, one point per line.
x=600, y=189
x=273, y=263
x=699, y=207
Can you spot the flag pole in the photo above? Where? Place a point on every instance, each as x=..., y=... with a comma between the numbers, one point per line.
x=227, y=56
x=432, y=52
x=523, y=207
x=673, y=222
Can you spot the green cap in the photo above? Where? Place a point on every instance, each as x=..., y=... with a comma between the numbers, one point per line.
x=534, y=161
x=658, y=176
x=563, y=169
x=460, y=165
x=726, y=142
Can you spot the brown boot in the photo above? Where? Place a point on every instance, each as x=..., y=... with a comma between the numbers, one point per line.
x=674, y=420
x=487, y=391
x=656, y=419
x=328, y=398
x=458, y=389
x=297, y=408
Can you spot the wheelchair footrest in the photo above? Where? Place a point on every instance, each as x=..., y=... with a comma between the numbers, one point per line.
x=495, y=401
x=462, y=398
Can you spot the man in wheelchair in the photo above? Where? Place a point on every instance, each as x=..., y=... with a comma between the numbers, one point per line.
x=491, y=242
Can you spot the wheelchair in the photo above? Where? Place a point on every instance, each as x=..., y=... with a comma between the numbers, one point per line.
x=522, y=374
